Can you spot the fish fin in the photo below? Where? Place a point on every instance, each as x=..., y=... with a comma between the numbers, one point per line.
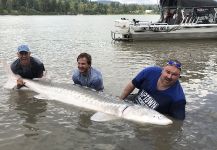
x=101, y=117
x=41, y=96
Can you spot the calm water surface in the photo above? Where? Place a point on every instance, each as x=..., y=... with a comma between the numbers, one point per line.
x=27, y=123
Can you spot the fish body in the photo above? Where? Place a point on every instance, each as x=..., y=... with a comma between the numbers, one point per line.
x=107, y=107
x=99, y=102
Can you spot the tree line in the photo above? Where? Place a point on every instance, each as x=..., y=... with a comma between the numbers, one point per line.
x=70, y=7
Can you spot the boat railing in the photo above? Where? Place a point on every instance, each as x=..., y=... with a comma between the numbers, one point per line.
x=215, y=17
x=163, y=27
x=189, y=20
x=155, y=27
x=203, y=15
x=188, y=16
x=137, y=22
x=117, y=36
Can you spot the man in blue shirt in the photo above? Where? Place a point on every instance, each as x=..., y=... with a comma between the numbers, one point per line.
x=26, y=66
x=85, y=75
x=159, y=89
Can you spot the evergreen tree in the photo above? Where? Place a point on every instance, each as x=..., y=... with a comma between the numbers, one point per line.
x=70, y=7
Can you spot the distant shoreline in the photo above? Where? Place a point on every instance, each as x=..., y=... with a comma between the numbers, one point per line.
x=73, y=7
x=56, y=14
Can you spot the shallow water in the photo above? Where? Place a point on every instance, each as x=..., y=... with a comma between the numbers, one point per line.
x=27, y=123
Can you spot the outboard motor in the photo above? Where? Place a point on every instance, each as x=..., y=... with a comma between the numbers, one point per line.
x=122, y=25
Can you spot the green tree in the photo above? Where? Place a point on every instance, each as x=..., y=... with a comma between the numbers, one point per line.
x=70, y=7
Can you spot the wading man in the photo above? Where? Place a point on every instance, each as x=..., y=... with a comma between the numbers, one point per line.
x=26, y=66
x=159, y=89
x=86, y=75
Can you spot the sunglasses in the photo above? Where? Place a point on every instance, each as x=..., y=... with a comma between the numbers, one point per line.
x=174, y=63
x=23, y=53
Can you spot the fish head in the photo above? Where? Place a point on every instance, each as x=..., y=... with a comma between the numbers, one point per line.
x=145, y=115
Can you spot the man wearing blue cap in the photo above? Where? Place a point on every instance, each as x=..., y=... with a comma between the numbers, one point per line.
x=26, y=66
x=159, y=89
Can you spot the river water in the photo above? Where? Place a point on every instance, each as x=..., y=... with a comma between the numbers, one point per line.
x=27, y=123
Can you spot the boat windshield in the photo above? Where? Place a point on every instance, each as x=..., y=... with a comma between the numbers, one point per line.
x=188, y=11
x=188, y=3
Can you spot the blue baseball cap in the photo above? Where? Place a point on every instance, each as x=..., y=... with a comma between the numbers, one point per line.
x=23, y=48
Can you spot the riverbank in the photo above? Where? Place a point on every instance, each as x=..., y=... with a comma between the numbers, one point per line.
x=34, y=12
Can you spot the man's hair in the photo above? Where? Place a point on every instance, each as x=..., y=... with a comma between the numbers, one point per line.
x=87, y=56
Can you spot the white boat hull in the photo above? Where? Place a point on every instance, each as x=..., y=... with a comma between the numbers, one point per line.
x=182, y=34
x=162, y=31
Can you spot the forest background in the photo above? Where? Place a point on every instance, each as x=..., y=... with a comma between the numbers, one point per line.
x=71, y=7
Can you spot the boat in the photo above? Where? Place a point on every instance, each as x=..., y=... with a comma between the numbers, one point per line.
x=179, y=20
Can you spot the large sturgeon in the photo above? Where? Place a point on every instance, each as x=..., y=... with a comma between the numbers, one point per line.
x=107, y=107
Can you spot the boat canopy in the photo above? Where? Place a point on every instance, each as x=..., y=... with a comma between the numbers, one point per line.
x=188, y=3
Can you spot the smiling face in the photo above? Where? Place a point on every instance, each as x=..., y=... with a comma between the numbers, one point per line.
x=24, y=58
x=83, y=65
x=169, y=76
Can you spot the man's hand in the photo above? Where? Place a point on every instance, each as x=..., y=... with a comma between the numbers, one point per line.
x=20, y=83
x=127, y=90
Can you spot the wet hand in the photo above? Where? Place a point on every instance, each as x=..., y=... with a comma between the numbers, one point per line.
x=119, y=98
x=20, y=83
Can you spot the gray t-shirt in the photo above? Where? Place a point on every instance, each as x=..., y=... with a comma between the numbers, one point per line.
x=34, y=70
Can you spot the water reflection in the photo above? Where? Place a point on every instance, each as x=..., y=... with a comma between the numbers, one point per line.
x=29, y=109
x=58, y=39
x=198, y=58
x=84, y=119
x=191, y=53
x=156, y=137
x=199, y=76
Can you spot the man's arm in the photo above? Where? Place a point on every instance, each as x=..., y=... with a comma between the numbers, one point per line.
x=14, y=69
x=41, y=71
x=97, y=84
x=177, y=110
x=127, y=90
x=75, y=77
